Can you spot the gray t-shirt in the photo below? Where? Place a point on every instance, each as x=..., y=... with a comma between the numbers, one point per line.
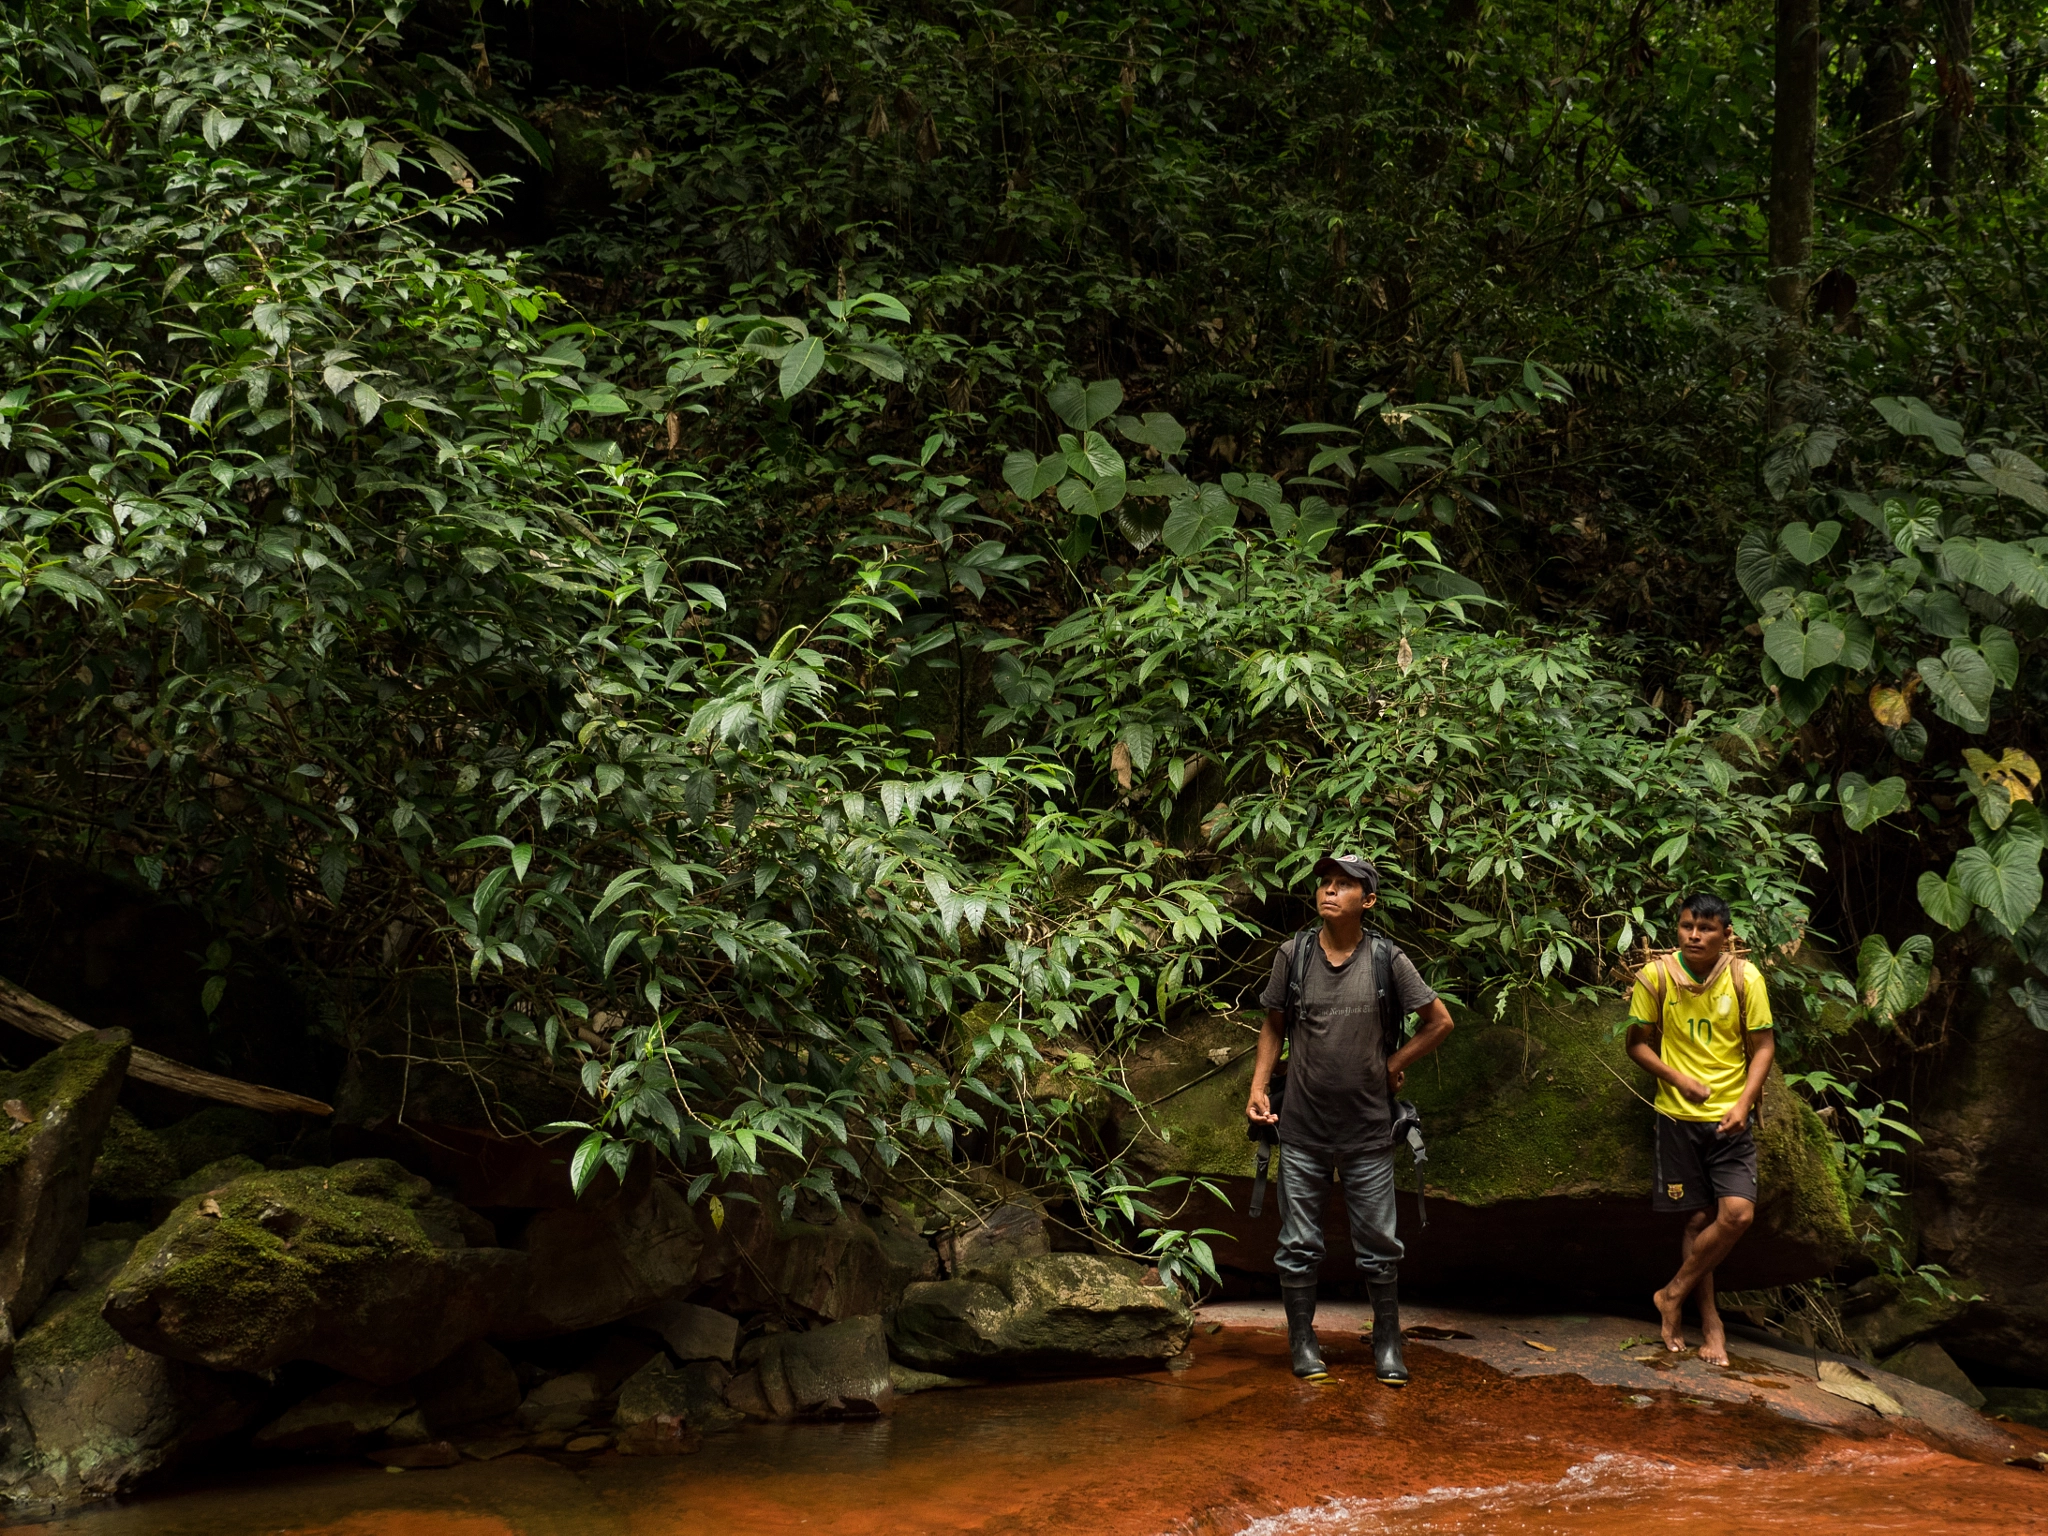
x=1337, y=1100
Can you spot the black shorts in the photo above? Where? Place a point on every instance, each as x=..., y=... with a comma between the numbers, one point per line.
x=1697, y=1167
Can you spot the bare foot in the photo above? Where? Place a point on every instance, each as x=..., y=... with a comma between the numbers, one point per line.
x=1713, y=1340
x=1670, y=1311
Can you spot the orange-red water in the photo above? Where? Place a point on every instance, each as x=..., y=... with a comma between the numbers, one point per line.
x=1233, y=1445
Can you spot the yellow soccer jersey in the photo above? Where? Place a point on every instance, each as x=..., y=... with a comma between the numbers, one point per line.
x=1702, y=1036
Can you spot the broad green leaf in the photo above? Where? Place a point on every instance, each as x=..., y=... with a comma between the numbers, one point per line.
x=1944, y=901
x=1155, y=430
x=2032, y=999
x=1020, y=473
x=1890, y=983
x=1809, y=545
x=1080, y=407
x=800, y=365
x=1858, y=644
x=1984, y=563
x=2008, y=473
x=1800, y=652
x=2004, y=879
x=2001, y=653
x=1760, y=568
x=1864, y=803
x=1103, y=459
x=1198, y=521
x=1916, y=418
x=1912, y=523
x=883, y=362
x=1960, y=681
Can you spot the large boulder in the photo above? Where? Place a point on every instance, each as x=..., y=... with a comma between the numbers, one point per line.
x=592, y=1265
x=851, y=1265
x=133, y=1164
x=87, y=1413
x=1539, y=1162
x=341, y=1418
x=1978, y=1191
x=57, y=1111
x=361, y=1267
x=839, y=1371
x=1054, y=1312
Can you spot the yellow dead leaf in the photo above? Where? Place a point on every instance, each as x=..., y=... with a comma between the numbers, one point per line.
x=18, y=1112
x=209, y=1206
x=717, y=1213
x=1120, y=765
x=1548, y=1349
x=1405, y=655
x=1891, y=707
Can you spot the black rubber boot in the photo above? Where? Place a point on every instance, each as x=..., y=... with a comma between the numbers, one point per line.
x=1300, y=1302
x=1389, y=1364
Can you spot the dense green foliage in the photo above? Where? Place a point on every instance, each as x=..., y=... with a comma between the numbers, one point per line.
x=833, y=586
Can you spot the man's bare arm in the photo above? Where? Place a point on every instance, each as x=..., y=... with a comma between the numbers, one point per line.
x=1759, y=1069
x=1434, y=1028
x=1259, y=1107
x=1642, y=1055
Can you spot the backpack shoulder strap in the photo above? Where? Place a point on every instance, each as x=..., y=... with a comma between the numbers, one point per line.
x=1297, y=972
x=1392, y=1018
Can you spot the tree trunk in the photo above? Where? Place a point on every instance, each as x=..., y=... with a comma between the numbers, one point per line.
x=1795, y=127
x=1886, y=100
x=1955, y=54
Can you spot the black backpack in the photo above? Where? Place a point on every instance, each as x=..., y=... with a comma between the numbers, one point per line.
x=1393, y=1031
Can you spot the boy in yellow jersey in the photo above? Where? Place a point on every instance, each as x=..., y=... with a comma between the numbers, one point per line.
x=1687, y=1028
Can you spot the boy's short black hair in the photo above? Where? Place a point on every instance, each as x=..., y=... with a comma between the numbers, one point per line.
x=1706, y=905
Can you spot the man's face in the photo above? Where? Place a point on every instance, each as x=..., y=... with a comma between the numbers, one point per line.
x=1340, y=896
x=1701, y=939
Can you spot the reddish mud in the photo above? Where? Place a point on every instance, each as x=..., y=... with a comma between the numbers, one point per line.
x=1234, y=1444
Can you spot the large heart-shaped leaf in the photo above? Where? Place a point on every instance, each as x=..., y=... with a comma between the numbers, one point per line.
x=1156, y=430
x=1984, y=563
x=1916, y=418
x=2001, y=653
x=1960, y=681
x=2032, y=999
x=1809, y=545
x=2008, y=473
x=1199, y=520
x=1891, y=983
x=1799, y=652
x=1079, y=407
x=2005, y=878
x=1761, y=568
x=1944, y=901
x=1031, y=477
x=1912, y=523
x=1864, y=803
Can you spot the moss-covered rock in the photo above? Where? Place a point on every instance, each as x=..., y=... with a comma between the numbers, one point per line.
x=360, y=1267
x=59, y=1107
x=216, y=1132
x=1054, y=1312
x=133, y=1164
x=87, y=1412
x=1539, y=1134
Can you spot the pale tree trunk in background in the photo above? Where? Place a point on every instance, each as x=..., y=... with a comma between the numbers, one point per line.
x=1795, y=127
x=1955, y=53
x=1886, y=99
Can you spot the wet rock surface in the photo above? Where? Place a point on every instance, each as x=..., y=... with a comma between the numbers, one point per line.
x=1054, y=1312
x=360, y=1267
x=343, y=1417
x=57, y=1112
x=839, y=1371
x=1979, y=1198
x=475, y=1383
x=591, y=1266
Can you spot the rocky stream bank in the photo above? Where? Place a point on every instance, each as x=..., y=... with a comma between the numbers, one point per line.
x=409, y=1281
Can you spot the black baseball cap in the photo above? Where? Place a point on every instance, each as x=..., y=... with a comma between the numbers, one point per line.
x=1352, y=865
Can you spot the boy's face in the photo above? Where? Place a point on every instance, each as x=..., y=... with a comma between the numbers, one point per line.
x=1340, y=896
x=1701, y=939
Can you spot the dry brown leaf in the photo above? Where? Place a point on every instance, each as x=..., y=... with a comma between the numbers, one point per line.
x=209, y=1206
x=1548, y=1349
x=1847, y=1382
x=1892, y=708
x=18, y=1112
x=1405, y=656
x=1120, y=763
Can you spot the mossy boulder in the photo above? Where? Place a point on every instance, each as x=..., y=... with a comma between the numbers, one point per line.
x=133, y=1164
x=1050, y=1313
x=58, y=1110
x=216, y=1132
x=87, y=1413
x=1539, y=1159
x=361, y=1267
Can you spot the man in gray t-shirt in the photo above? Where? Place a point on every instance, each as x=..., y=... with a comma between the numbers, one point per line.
x=1337, y=1115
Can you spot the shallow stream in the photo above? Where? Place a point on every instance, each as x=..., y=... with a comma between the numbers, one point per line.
x=1233, y=1444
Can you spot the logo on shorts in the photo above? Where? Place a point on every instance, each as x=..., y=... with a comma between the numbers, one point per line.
x=1674, y=1191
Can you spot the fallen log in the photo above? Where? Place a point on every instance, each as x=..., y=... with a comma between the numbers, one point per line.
x=25, y=1011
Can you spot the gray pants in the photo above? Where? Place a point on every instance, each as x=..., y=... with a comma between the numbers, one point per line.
x=1368, y=1200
